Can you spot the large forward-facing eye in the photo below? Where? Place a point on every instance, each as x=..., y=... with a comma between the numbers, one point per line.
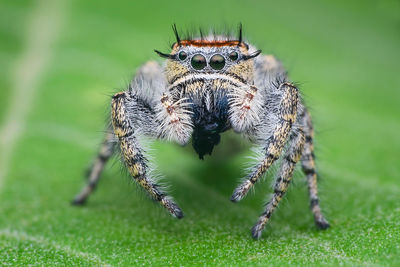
x=198, y=62
x=217, y=62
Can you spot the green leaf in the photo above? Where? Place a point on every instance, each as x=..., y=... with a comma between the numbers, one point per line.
x=61, y=60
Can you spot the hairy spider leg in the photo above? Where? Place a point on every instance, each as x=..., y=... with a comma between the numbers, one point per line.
x=132, y=153
x=94, y=173
x=291, y=157
x=275, y=144
x=308, y=166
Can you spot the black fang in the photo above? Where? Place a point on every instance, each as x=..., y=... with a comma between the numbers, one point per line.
x=208, y=124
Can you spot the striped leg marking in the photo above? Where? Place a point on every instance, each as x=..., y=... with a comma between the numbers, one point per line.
x=132, y=154
x=276, y=142
x=308, y=165
x=291, y=157
x=94, y=173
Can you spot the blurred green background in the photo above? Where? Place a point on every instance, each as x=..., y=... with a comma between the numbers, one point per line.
x=61, y=60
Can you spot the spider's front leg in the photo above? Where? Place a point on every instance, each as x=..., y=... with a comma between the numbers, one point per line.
x=290, y=158
x=132, y=153
x=276, y=142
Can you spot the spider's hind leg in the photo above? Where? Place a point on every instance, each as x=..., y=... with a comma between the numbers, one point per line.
x=308, y=166
x=94, y=172
x=289, y=160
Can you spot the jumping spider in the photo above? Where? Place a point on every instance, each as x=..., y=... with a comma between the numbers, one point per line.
x=207, y=86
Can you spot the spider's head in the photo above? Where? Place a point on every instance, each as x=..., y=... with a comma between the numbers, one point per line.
x=210, y=55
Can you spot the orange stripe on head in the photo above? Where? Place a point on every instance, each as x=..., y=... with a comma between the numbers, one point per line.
x=207, y=43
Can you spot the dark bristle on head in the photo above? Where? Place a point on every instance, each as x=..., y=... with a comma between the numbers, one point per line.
x=203, y=41
x=252, y=55
x=178, y=40
x=161, y=54
x=189, y=34
x=240, y=33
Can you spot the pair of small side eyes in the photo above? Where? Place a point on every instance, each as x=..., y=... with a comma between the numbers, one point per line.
x=199, y=62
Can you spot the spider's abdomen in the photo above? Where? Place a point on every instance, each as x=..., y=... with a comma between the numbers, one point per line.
x=210, y=118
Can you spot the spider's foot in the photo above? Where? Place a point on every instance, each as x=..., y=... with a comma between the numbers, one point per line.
x=78, y=201
x=172, y=208
x=322, y=223
x=178, y=213
x=81, y=198
x=241, y=191
x=256, y=231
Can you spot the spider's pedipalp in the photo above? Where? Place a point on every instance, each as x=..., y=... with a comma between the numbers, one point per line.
x=245, y=105
x=175, y=119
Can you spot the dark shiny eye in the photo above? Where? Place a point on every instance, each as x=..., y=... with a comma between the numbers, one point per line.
x=217, y=62
x=182, y=55
x=233, y=56
x=198, y=62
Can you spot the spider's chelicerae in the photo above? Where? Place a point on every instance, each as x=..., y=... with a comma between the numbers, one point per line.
x=207, y=86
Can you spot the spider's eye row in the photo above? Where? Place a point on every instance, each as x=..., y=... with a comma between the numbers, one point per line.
x=217, y=62
x=182, y=55
x=233, y=56
x=198, y=62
